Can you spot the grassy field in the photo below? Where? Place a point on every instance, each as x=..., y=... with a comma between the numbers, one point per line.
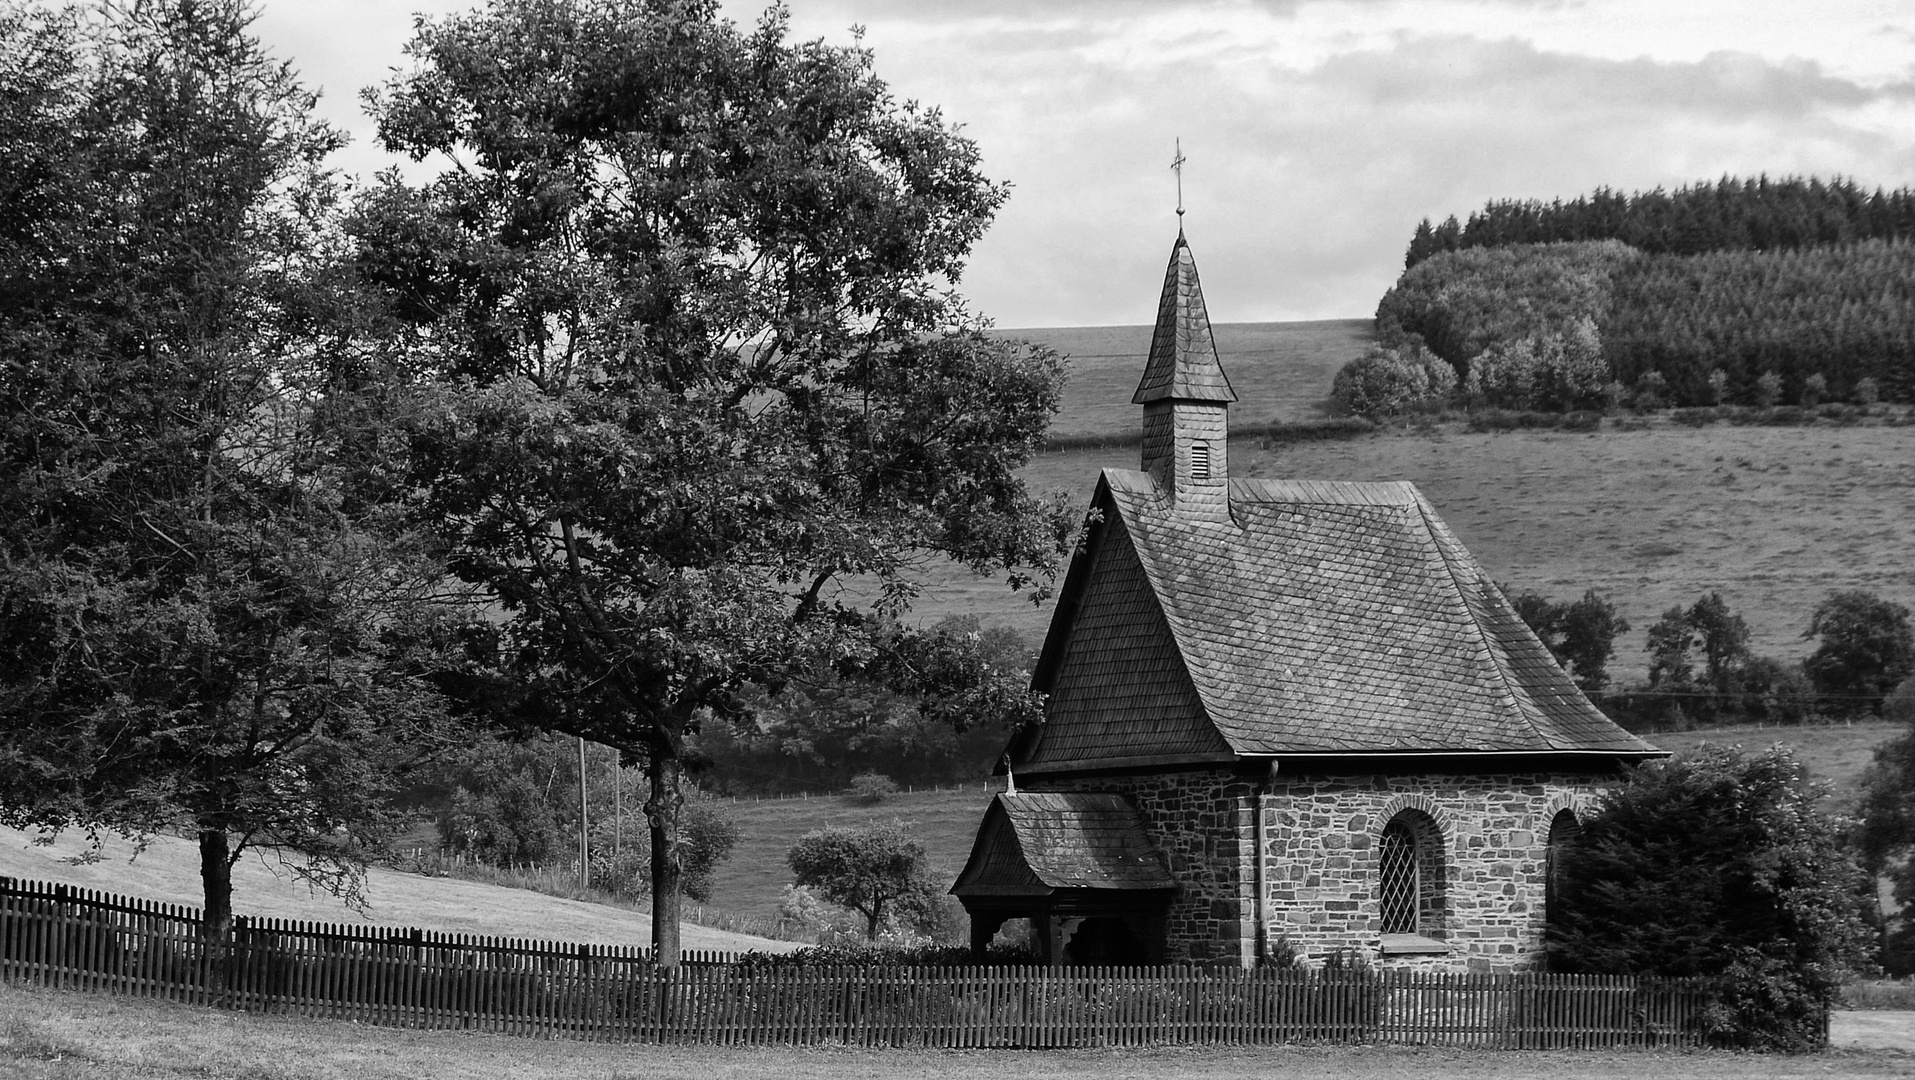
x=753, y=879
x=1280, y=371
x=59, y=1035
x=1834, y=753
x=168, y=872
x=1773, y=517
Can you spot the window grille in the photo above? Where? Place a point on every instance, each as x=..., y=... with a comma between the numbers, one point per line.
x=1402, y=887
x=1200, y=461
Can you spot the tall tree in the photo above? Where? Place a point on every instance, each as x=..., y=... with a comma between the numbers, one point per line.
x=1724, y=638
x=196, y=631
x=705, y=397
x=1866, y=647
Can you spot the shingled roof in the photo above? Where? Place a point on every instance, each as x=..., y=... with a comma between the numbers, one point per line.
x=1183, y=362
x=1318, y=618
x=1036, y=843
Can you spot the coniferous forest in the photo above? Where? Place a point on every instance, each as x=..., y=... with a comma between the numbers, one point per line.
x=1752, y=292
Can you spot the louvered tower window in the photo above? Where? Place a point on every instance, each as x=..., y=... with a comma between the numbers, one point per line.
x=1401, y=881
x=1200, y=461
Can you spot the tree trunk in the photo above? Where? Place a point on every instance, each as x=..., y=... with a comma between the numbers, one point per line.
x=661, y=814
x=216, y=927
x=216, y=880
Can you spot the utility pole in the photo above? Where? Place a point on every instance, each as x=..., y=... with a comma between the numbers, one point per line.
x=584, y=825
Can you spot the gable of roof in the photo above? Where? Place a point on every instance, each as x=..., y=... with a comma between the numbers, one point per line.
x=1183, y=362
x=1120, y=689
x=1036, y=843
x=1340, y=618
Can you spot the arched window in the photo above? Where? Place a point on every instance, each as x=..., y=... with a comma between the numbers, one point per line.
x=1410, y=875
x=1200, y=461
x=1564, y=832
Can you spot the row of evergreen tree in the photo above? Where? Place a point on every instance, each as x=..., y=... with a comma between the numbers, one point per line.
x=1834, y=323
x=1729, y=214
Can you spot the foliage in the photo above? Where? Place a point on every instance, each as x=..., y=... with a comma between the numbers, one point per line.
x=1719, y=864
x=510, y=801
x=1729, y=214
x=877, y=870
x=199, y=628
x=683, y=305
x=1886, y=838
x=824, y=727
x=1720, y=327
x=1581, y=635
x=1866, y=648
x=871, y=788
x=1462, y=303
x=1386, y=382
x=1558, y=371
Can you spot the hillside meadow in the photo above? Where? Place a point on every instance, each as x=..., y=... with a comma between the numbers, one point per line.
x=1646, y=511
x=168, y=872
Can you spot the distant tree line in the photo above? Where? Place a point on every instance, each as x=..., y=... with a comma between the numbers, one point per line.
x=1729, y=214
x=1702, y=669
x=1736, y=293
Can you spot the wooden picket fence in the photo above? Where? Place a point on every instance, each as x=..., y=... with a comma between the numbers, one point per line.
x=61, y=936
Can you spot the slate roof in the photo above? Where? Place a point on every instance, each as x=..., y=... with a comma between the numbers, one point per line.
x=1318, y=618
x=1038, y=842
x=1183, y=362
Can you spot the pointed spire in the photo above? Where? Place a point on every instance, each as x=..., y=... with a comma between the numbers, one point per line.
x=1183, y=363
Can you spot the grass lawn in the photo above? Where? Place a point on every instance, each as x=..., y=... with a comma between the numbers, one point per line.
x=61, y=1035
x=168, y=872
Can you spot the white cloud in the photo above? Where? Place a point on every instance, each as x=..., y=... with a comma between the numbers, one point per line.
x=1318, y=131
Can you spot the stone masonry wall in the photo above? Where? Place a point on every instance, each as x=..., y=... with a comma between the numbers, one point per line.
x=1321, y=876
x=1200, y=821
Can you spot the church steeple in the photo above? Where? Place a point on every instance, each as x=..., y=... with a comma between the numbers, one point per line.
x=1185, y=395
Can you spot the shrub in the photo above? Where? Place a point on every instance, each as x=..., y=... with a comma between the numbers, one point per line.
x=1814, y=389
x=1768, y=389
x=1719, y=865
x=1652, y=391
x=871, y=788
x=1389, y=382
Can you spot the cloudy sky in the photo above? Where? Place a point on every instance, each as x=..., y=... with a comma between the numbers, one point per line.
x=1318, y=132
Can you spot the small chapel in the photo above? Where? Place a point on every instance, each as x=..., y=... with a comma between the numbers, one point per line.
x=1285, y=719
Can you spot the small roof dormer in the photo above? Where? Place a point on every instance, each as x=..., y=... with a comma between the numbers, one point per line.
x=1186, y=396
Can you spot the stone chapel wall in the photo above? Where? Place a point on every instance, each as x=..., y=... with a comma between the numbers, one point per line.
x=1321, y=841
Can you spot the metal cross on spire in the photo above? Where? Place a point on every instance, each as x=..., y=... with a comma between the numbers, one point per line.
x=1177, y=166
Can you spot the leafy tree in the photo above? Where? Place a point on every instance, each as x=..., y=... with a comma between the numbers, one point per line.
x=1388, y=382
x=703, y=399
x=1590, y=627
x=1724, y=639
x=199, y=630
x=1580, y=635
x=877, y=870
x=1670, y=639
x=1866, y=648
x=1719, y=864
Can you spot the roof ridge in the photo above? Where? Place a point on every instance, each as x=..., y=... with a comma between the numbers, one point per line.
x=1438, y=530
